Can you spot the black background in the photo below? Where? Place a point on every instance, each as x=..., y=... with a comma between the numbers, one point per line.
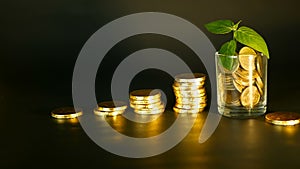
x=40, y=41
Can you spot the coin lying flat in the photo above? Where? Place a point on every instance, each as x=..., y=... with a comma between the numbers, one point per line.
x=112, y=106
x=192, y=111
x=65, y=113
x=108, y=113
x=190, y=106
x=150, y=111
x=186, y=88
x=189, y=84
x=199, y=92
x=283, y=118
x=148, y=106
x=191, y=100
x=133, y=102
x=190, y=77
x=145, y=94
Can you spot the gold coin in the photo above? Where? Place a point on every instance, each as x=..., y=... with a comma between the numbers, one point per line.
x=190, y=106
x=65, y=113
x=192, y=92
x=247, y=58
x=181, y=97
x=231, y=96
x=190, y=95
x=112, y=106
x=250, y=96
x=283, y=118
x=260, y=85
x=132, y=101
x=247, y=51
x=145, y=106
x=189, y=84
x=259, y=65
x=146, y=100
x=196, y=93
x=246, y=74
x=261, y=92
x=145, y=94
x=160, y=106
x=150, y=111
x=192, y=111
x=238, y=86
x=186, y=88
x=108, y=113
x=190, y=77
x=242, y=81
x=191, y=100
x=225, y=81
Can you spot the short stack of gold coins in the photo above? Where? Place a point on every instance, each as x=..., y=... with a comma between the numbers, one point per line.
x=190, y=93
x=146, y=101
x=247, y=78
x=110, y=108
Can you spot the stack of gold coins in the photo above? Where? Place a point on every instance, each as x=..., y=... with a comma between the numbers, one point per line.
x=147, y=101
x=190, y=93
x=247, y=78
x=110, y=108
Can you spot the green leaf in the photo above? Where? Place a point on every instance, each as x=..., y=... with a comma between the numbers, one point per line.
x=228, y=49
x=219, y=26
x=249, y=37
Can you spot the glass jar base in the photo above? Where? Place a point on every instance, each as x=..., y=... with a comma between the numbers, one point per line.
x=241, y=112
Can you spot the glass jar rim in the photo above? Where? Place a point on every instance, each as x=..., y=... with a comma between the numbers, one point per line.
x=234, y=56
x=230, y=56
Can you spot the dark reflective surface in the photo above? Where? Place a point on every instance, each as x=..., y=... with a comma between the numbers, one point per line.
x=41, y=41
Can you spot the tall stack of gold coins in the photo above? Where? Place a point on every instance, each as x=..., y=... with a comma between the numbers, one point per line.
x=190, y=93
x=110, y=108
x=147, y=101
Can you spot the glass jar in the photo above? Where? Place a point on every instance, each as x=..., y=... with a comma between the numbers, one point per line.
x=241, y=85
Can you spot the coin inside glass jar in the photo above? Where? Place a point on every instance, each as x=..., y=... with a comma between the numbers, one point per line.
x=250, y=96
x=247, y=58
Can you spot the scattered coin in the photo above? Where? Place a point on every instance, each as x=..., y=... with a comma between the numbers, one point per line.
x=283, y=118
